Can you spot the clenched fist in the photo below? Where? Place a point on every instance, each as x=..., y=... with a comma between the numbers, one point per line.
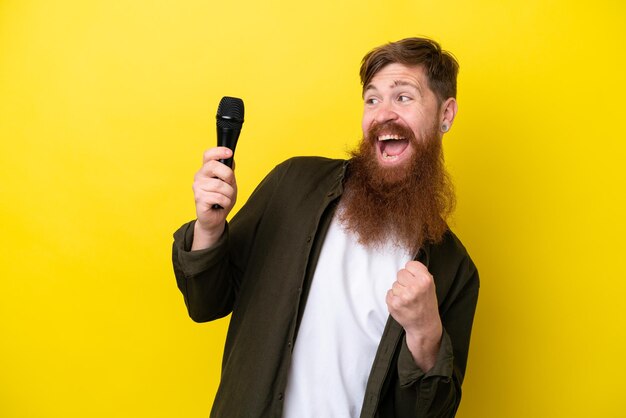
x=412, y=302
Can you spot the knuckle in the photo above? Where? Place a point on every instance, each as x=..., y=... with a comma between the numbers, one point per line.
x=398, y=303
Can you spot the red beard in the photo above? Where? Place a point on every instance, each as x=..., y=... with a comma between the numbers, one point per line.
x=408, y=204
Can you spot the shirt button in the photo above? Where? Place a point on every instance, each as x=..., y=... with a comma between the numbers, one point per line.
x=280, y=396
x=289, y=344
x=308, y=239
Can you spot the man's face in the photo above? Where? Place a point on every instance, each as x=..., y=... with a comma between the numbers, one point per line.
x=397, y=186
x=399, y=106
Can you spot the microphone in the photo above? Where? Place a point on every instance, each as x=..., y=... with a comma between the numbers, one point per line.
x=229, y=121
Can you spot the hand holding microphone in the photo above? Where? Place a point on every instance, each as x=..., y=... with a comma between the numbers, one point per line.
x=215, y=188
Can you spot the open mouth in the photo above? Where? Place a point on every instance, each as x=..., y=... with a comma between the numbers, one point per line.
x=391, y=146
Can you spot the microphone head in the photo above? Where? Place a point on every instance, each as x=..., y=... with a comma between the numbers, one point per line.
x=230, y=113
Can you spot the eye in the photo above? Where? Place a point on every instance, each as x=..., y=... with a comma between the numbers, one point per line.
x=371, y=101
x=404, y=98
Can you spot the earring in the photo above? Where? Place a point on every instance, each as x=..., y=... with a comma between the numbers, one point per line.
x=444, y=127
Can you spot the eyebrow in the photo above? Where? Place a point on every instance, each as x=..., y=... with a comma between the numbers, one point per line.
x=396, y=83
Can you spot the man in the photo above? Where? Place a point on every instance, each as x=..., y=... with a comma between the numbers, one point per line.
x=349, y=295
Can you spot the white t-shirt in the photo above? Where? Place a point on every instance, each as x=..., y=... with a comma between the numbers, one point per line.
x=341, y=327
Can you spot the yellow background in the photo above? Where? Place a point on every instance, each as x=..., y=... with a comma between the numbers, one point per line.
x=107, y=106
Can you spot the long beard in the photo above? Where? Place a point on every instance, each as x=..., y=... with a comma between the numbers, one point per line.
x=408, y=205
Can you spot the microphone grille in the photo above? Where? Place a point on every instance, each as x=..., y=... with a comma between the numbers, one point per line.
x=230, y=112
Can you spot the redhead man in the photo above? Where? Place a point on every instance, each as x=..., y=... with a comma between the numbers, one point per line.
x=349, y=294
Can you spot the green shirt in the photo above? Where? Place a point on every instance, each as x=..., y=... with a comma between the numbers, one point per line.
x=260, y=271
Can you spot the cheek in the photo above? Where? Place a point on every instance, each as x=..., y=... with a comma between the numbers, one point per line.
x=418, y=124
x=365, y=123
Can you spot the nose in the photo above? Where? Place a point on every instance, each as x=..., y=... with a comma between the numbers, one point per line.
x=385, y=112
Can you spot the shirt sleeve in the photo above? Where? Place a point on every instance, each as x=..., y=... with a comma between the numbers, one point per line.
x=193, y=263
x=409, y=373
x=203, y=276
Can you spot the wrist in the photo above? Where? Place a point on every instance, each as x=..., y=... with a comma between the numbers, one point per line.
x=424, y=347
x=204, y=238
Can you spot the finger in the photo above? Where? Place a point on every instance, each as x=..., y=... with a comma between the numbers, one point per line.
x=418, y=275
x=415, y=267
x=213, y=184
x=405, y=277
x=389, y=299
x=397, y=288
x=394, y=302
x=417, y=284
x=219, y=201
x=399, y=292
x=216, y=153
x=215, y=169
x=206, y=200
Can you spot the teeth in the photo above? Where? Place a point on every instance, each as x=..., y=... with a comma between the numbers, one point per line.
x=389, y=157
x=389, y=137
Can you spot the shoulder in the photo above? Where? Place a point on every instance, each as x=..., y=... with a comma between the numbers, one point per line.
x=303, y=171
x=450, y=243
x=312, y=164
x=450, y=246
x=450, y=260
x=298, y=178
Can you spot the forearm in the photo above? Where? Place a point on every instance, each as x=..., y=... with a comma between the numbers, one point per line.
x=204, y=277
x=424, y=347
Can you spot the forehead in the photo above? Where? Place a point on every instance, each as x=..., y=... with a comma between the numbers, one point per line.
x=395, y=74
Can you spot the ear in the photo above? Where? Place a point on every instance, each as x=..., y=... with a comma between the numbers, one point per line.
x=447, y=113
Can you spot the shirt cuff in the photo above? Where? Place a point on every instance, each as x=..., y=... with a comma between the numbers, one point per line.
x=193, y=263
x=409, y=373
